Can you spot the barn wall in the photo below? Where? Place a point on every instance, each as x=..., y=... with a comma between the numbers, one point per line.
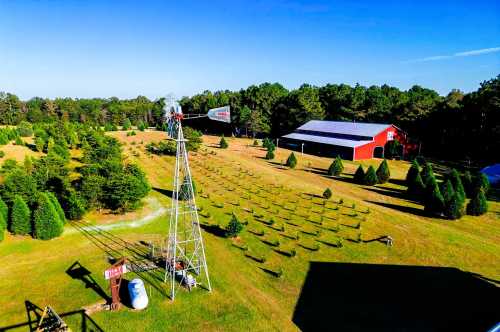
x=366, y=151
x=318, y=149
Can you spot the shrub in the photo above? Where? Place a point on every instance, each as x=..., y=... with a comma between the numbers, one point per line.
x=20, y=222
x=291, y=161
x=383, y=172
x=481, y=182
x=336, y=167
x=269, y=155
x=74, y=205
x=4, y=211
x=426, y=173
x=126, y=124
x=141, y=126
x=2, y=154
x=370, y=177
x=234, y=227
x=454, y=208
x=266, y=142
x=327, y=193
x=434, y=202
x=477, y=205
x=412, y=174
x=57, y=206
x=25, y=129
x=447, y=191
x=222, y=143
x=454, y=177
x=359, y=176
x=46, y=220
x=19, y=141
x=255, y=142
x=184, y=189
x=39, y=144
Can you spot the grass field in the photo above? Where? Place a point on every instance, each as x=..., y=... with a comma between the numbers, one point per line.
x=246, y=293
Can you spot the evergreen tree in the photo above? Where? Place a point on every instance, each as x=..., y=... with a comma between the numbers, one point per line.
x=20, y=222
x=447, y=191
x=46, y=220
x=417, y=187
x=481, y=182
x=359, y=176
x=39, y=144
x=2, y=228
x=223, y=144
x=413, y=171
x=141, y=126
x=457, y=184
x=454, y=207
x=383, y=172
x=184, y=189
x=234, y=227
x=370, y=177
x=255, y=142
x=467, y=183
x=57, y=206
x=336, y=168
x=74, y=205
x=4, y=211
x=327, y=193
x=269, y=155
x=434, y=203
x=126, y=124
x=427, y=173
x=291, y=161
x=477, y=205
x=50, y=144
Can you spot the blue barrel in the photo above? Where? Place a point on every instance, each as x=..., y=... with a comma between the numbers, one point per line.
x=138, y=295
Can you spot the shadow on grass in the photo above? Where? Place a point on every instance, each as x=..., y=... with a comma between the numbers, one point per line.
x=397, y=298
x=402, y=208
x=34, y=313
x=398, y=182
x=214, y=230
x=78, y=272
x=390, y=192
x=166, y=192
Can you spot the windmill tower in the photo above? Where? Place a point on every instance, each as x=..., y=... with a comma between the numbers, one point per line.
x=186, y=264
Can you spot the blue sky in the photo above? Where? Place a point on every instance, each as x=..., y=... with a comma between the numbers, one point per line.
x=126, y=48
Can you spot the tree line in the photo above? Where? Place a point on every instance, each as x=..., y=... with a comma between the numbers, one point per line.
x=456, y=126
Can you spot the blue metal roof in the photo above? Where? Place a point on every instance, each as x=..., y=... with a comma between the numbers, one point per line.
x=326, y=140
x=343, y=127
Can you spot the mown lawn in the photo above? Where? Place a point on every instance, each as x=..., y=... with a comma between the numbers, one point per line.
x=245, y=293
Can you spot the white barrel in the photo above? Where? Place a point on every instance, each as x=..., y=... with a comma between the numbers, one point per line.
x=138, y=295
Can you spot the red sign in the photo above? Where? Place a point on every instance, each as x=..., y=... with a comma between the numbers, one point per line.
x=114, y=272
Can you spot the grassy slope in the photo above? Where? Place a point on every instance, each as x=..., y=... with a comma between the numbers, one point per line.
x=243, y=294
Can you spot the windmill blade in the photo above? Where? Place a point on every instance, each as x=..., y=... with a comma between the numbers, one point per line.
x=222, y=114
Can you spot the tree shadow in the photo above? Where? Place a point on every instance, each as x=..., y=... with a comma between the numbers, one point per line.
x=214, y=230
x=398, y=182
x=79, y=272
x=397, y=298
x=34, y=313
x=402, y=208
x=391, y=193
x=166, y=192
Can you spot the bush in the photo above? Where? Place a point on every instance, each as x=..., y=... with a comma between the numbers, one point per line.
x=108, y=126
x=19, y=141
x=427, y=173
x=184, y=189
x=141, y=126
x=481, y=182
x=46, y=220
x=223, y=144
x=39, y=144
x=477, y=205
x=57, y=206
x=74, y=205
x=126, y=124
x=336, y=167
x=454, y=207
x=269, y=155
x=255, y=142
x=291, y=161
x=383, y=172
x=359, y=176
x=2, y=154
x=234, y=227
x=370, y=177
x=412, y=174
x=193, y=138
x=25, y=129
x=327, y=193
x=447, y=191
x=454, y=177
x=20, y=222
x=266, y=143
x=4, y=211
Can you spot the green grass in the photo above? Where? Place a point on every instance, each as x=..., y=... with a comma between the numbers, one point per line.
x=246, y=291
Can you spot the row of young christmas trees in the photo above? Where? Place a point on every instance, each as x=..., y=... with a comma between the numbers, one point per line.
x=45, y=221
x=448, y=198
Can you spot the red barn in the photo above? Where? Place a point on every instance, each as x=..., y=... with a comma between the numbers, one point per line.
x=350, y=140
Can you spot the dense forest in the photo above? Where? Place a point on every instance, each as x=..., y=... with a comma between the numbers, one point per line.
x=455, y=126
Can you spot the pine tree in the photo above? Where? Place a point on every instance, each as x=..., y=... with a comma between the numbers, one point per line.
x=126, y=124
x=20, y=222
x=457, y=184
x=4, y=211
x=57, y=206
x=359, y=176
x=426, y=173
x=234, y=227
x=413, y=171
x=467, y=183
x=327, y=193
x=223, y=144
x=417, y=187
x=336, y=168
x=269, y=155
x=481, y=182
x=46, y=220
x=370, y=177
x=2, y=228
x=454, y=207
x=477, y=205
x=291, y=161
x=447, y=191
x=383, y=172
x=434, y=203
